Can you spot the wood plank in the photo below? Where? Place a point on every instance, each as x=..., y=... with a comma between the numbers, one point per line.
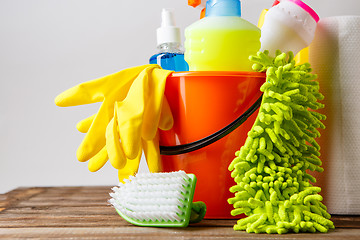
x=61, y=221
x=346, y=221
x=18, y=195
x=62, y=196
x=102, y=217
x=63, y=202
x=81, y=212
x=166, y=233
x=62, y=210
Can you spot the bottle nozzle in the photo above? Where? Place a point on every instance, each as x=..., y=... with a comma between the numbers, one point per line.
x=168, y=32
x=167, y=18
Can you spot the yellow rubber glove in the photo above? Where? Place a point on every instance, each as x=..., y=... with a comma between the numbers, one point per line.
x=151, y=148
x=136, y=122
x=130, y=168
x=84, y=125
x=99, y=160
x=152, y=154
x=138, y=95
x=139, y=113
x=113, y=145
x=107, y=90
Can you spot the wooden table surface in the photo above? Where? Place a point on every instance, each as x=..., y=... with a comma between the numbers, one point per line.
x=83, y=213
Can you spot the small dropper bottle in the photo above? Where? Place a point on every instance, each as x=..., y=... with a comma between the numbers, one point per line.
x=170, y=55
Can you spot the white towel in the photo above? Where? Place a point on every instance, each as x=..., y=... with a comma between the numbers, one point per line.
x=335, y=57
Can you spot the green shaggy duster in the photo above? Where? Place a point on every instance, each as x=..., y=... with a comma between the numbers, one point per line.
x=273, y=187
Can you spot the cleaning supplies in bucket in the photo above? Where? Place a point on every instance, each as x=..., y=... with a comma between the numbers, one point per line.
x=288, y=26
x=134, y=109
x=222, y=40
x=273, y=186
x=158, y=200
x=170, y=56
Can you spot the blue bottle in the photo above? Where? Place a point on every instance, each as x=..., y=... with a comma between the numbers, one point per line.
x=170, y=55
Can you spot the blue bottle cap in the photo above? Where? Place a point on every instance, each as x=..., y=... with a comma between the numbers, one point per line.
x=223, y=8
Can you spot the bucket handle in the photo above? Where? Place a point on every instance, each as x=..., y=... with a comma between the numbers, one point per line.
x=189, y=147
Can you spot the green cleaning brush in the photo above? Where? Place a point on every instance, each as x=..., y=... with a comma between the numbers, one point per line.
x=272, y=184
x=158, y=200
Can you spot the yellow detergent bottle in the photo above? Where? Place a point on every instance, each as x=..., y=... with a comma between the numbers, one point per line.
x=222, y=40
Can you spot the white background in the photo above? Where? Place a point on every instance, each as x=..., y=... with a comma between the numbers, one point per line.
x=48, y=46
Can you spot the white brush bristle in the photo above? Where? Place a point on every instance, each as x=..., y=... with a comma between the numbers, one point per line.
x=152, y=196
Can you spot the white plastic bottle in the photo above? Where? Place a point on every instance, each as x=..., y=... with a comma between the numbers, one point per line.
x=288, y=26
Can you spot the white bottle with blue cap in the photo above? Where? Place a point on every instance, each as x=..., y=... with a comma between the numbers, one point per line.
x=222, y=40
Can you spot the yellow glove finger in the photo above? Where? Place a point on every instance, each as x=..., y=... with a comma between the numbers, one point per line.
x=84, y=125
x=94, y=140
x=130, y=115
x=96, y=90
x=113, y=146
x=166, y=118
x=152, y=154
x=154, y=102
x=98, y=161
x=130, y=169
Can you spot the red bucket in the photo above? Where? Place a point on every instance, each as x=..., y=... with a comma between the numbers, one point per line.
x=209, y=110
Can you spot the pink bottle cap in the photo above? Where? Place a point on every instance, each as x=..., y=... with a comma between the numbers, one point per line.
x=306, y=8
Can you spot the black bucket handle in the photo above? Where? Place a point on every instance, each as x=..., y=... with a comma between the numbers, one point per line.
x=189, y=147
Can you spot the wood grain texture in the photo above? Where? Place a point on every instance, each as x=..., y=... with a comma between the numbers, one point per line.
x=83, y=213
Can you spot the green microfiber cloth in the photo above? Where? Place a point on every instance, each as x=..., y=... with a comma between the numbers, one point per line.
x=273, y=187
